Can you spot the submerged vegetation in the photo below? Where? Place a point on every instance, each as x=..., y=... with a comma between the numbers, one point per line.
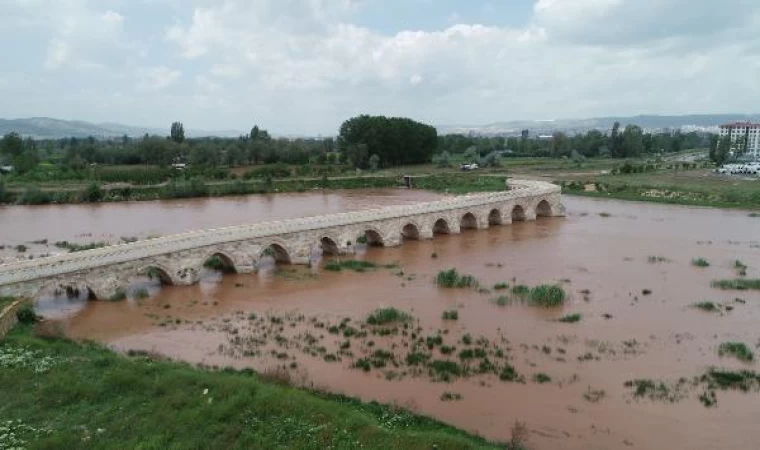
x=382, y=316
x=737, y=349
x=547, y=295
x=570, y=318
x=700, y=262
x=740, y=284
x=453, y=279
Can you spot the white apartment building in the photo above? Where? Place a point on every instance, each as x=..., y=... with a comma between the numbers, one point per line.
x=742, y=133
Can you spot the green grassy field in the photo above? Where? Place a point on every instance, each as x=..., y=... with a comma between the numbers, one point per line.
x=694, y=187
x=60, y=394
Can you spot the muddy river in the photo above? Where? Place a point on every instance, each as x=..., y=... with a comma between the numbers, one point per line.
x=627, y=374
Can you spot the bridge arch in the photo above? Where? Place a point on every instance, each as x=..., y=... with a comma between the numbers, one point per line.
x=329, y=245
x=410, y=231
x=441, y=226
x=277, y=251
x=158, y=271
x=494, y=217
x=544, y=209
x=518, y=214
x=468, y=221
x=219, y=260
x=374, y=237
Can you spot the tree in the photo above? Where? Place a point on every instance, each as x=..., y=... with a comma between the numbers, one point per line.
x=374, y=162
x=442, y=159
x=12, y=145
x=714, y=138
x=633, y=143
x=723, y=150
x=395, y=140
x=616, y=141
x=178, y=132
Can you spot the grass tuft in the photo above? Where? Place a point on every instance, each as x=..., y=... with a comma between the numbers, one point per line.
x=452, y=279
x=547, y=295
x=736, y=349
x=382, y=316
x=740, y=284
x=700, y=262
x=570, y=318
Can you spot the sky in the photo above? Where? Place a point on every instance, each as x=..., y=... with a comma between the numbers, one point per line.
x=304, y=66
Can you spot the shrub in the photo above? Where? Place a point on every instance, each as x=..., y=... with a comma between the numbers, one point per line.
x=547, y=295
x=508, y=373
x=383, y=316
x=738, y=284
x=700, y=262
x=570, y=318
x=541, y=378
x=452, y=279
x=737, y=349
x=26, y=315
x=451, y=315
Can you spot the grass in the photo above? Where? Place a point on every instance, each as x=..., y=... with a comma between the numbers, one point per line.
x=453, y=279
x=547, y=295
x=520, y=289
x=350, y=264
x=72, y=247
x=451, y=315
x=740, y=284
x=500, y=286
x=570, y=318
x=6, y=301
x=541, y=378
x=382, y=316
x=88, y=397
x=736, y=349
x=700, y=262
x=707, y=306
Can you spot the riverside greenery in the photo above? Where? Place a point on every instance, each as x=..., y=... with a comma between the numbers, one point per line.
x=85, y=396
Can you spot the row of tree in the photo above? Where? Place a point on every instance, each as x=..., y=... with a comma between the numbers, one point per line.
x=628, y=142
x=364, y=141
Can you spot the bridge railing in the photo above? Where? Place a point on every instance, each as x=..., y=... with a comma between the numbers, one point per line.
x=114, y=254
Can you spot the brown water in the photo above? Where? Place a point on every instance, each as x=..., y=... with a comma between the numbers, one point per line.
x=602, y=262
x=109, y=222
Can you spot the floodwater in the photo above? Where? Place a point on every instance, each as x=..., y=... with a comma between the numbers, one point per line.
x=637, y=322
x=110, y=222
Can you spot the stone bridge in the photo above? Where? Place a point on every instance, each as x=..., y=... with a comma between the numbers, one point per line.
x=178, y=259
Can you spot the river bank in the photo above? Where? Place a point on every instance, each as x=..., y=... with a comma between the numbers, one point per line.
x=61, y=394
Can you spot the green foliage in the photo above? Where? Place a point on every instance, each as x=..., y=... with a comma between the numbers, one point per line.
x=520, y=289
x=451, y=315
x=452, y=279
x=736, y=349
x=500, y=286
x=700, y=262
x=93, y=193
x=92, y=389
x=26, y=315
x=396, y=141
x=351, y=264
x=72, y=247
x=570, y=318
x=706, y=306
x=508, y=373
x=382, y=316
x=741, y=284
x=541, y=378
x=547, y=295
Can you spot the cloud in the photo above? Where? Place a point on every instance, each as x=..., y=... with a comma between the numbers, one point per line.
x=306, y=65
x=157, y=78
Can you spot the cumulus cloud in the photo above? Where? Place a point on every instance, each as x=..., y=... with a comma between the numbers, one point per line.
x=306, y=65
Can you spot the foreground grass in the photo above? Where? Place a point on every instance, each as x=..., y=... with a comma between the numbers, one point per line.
x=84, y=396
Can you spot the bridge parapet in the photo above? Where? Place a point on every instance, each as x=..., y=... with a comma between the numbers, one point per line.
x=302, y=232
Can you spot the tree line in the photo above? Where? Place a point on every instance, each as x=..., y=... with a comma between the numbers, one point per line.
x=627, y=142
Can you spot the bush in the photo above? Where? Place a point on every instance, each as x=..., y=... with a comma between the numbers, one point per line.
x=737, y=349
x=26, y=315
x=383, y=316
x=547, y=295
x=451, y=315
x=452, y=279
x=92, y=193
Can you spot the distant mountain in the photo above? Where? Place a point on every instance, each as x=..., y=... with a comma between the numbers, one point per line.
x=707, y=122
x=48, y=128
